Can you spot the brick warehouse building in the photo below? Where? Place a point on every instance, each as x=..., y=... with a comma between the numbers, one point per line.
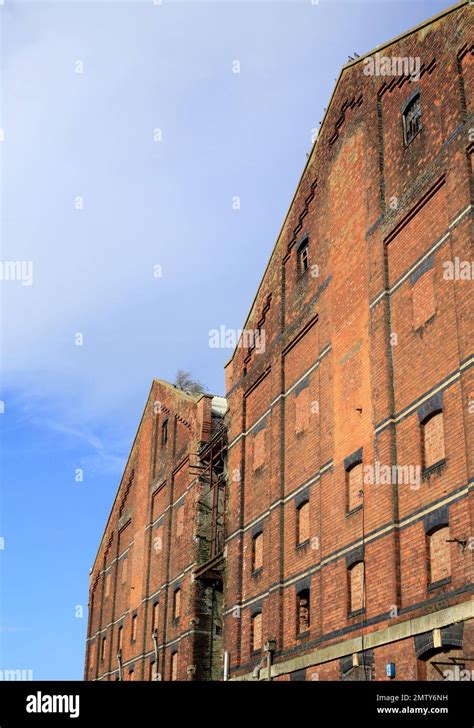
x=349, y=506
x=156, y=584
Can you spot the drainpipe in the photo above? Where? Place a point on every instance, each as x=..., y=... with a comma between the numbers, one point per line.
x=226, y=665
x=257, y=668
x=119, y=660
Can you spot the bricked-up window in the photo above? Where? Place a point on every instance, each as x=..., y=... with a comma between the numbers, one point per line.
x=259, y=449
x=412, y=119
x=433, y=440
x=180, y=521
x=423, y=300
x=134, y=627
x=176, y=603
x=356, y=587
x=124, y=570
x=120, y=638
x=103, y=648
x=302, y=523
x=174, y=666
x=256, y=631
x=303, y=611
x=257, y=551
x=354, y=484
x=156, y=614
x=164, y=433
x=439, y=558
x=302, y=257
x=302, y=411
x=108, y=581
x=156, y=432
x=92, y=656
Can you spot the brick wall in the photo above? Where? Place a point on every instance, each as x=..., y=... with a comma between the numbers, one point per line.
x=362, y=349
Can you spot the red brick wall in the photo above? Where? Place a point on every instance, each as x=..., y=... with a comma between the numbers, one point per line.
x=355, y=347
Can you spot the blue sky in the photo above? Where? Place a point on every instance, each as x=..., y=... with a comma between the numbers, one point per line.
x=145, y=203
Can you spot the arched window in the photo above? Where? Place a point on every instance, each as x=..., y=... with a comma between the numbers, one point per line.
x=257, y=551
x=356, y=587
x=439, y=556
x=302, y=523
x=433, y=440
x=256, y=631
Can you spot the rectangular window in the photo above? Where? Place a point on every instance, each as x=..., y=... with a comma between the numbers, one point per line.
x=303, y=611
x=257, y=552
x=354, y=486
x=180, y=521
x=134, y=627
x=356, y=587
x=156, y=608
x=433, y=440
x=164, y=433
x=102, y=648
x=120, y=637
x=108, y=581
x=177, y=604
x=302, y=257
x=439, y=556
x=302, y=525
x=256, y=629
x=174, y=666
x=412, y=119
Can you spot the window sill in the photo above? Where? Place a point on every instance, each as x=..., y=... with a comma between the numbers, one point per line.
x=434, y=469
x=437, y=584
x=356, y=613
x=302, y=635
x=354, y=510
x=303, y=546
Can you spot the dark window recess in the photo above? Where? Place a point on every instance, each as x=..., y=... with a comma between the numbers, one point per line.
x=164, y=432
x=412, y=119
x=303, y=606
x=303, y=261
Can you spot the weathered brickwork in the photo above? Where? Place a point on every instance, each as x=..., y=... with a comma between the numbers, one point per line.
x=367, y=368
x=333, y=534
x=151, y=615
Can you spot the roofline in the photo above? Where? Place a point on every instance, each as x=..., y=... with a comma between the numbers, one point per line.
x=182, y=393
x=377, y=49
